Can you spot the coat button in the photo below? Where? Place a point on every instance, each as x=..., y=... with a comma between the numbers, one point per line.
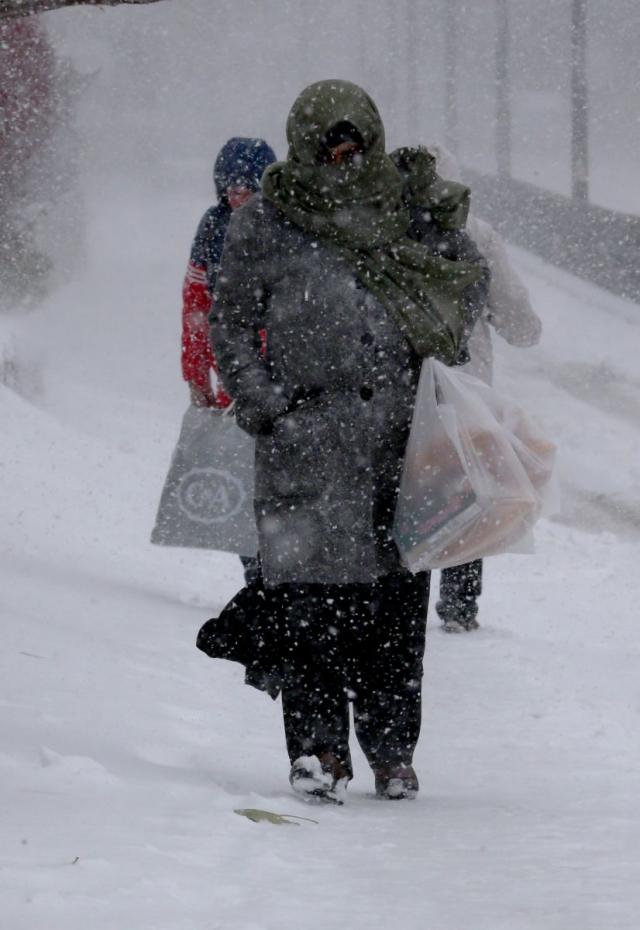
x=366, y=392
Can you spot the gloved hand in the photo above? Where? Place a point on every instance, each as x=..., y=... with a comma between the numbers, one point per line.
x=259, y=419
x=201, y=397
x=257, y=416
x=463, y=357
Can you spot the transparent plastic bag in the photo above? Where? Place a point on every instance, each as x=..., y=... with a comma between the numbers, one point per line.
x=477, y=473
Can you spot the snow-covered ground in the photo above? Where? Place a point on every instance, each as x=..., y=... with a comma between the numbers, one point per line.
x=125, y=751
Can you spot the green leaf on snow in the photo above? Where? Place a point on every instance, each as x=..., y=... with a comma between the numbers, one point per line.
x=257, y=816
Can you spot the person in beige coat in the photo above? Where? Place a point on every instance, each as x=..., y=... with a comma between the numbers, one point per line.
x=509, y=313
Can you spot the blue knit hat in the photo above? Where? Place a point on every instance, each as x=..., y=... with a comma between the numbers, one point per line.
x=240, y=163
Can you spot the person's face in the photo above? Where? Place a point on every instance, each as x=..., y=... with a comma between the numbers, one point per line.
x=237, y=196
x=345, y=151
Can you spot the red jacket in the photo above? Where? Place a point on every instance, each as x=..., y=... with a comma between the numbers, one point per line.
x=198, y=360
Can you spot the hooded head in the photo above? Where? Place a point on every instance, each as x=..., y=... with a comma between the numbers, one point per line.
x=240, y=163
x=446, y=162
x=338, y=180
x=329, y=113
x=358, y=203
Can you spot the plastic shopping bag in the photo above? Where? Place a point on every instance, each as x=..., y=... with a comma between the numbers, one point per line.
x=207, y=499
x=476, y=475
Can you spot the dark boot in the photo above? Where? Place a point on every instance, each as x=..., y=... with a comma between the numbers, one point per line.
x=395, y=783
x=460, y=587
x=321, y=778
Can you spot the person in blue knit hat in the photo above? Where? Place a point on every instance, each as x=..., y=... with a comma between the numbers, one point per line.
x=237, y=174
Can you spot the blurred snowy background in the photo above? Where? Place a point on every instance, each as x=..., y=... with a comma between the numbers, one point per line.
x=121, y=764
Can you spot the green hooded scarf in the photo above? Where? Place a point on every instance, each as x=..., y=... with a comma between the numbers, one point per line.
x=363, y=206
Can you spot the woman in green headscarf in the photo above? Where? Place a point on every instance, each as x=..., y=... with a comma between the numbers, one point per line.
x=356, y=265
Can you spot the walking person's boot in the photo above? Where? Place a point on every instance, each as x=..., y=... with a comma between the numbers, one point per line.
x=460, y=588
x=396, y=782
x=321, y=777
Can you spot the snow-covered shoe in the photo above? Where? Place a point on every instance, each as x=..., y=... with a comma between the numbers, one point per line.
x=458, y=614
x=320, y=778
x=396, y=782
x=460, y=624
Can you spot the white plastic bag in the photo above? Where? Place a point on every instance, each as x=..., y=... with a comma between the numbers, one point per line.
x=476, y=475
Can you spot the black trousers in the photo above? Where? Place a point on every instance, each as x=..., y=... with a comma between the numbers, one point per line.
x=358, y=643
x=460, y=588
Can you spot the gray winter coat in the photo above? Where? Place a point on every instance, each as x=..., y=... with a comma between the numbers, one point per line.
x=330, y=403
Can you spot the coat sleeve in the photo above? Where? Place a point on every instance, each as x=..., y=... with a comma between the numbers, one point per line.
x=457, y=245
x=197, y=359
x=509, y=309
x=240, y=299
